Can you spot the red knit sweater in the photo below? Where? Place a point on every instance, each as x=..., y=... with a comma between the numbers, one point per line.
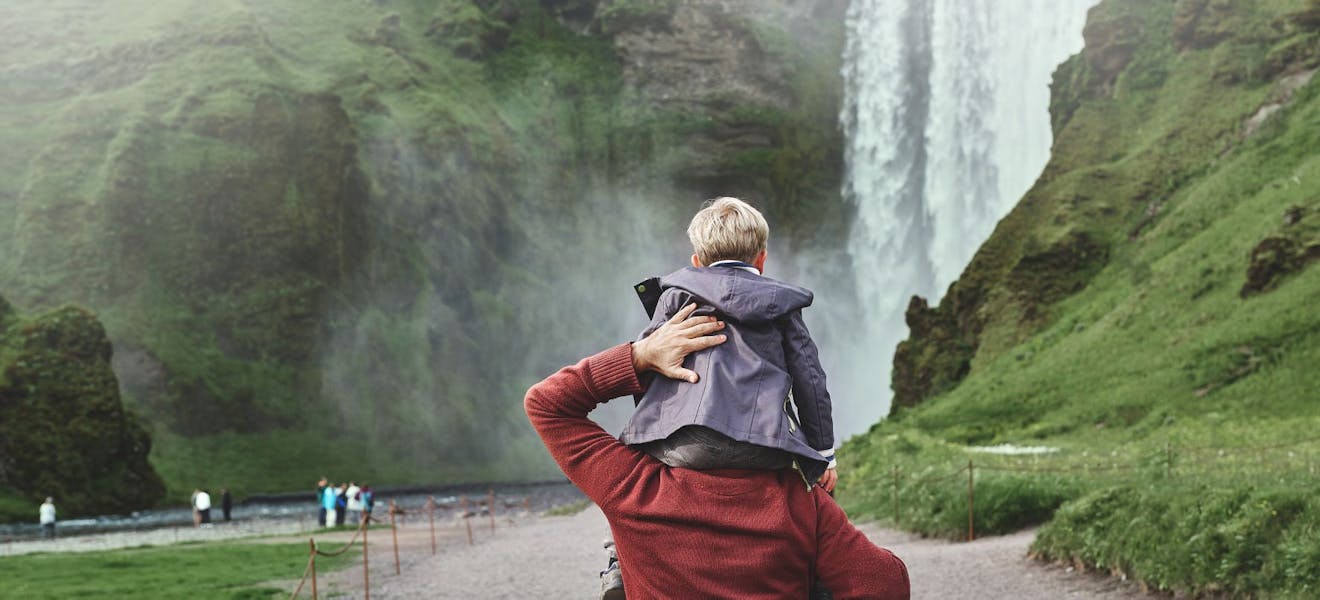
x=702, y=534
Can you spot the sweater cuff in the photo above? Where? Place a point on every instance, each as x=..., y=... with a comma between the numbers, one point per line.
x=612, y=373
x=829, y=456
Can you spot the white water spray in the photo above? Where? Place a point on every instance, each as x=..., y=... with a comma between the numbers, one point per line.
x=946, y=112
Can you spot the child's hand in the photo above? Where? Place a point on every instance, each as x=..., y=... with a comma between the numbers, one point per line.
x=828, y=480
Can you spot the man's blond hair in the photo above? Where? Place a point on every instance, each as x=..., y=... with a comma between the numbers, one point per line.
x=728, y=229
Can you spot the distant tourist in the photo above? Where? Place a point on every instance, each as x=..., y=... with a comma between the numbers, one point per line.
x=341, y=503
x=320, y=500
x=328, y=504
x=226, y=503
x=368, y=501
x=202, y=504
x=354, y=494
x=47, y=515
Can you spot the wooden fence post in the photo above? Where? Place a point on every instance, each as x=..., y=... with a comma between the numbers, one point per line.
x=971, y=500
x=366, y=569
x=395, y=531
x=312, y=542
x=430, y=505
x=1168, y=460
x=896, y=496
x=463, y=512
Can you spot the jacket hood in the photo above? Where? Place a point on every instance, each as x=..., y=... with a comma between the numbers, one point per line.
x=741, y=295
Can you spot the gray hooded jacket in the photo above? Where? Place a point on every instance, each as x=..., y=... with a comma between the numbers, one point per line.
x=744, y=385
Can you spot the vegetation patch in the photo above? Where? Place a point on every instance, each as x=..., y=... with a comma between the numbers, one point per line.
x=221, y=570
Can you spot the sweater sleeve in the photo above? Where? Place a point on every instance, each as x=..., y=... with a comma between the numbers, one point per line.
x=850, y=565
x=595, y=461
x=809, y=393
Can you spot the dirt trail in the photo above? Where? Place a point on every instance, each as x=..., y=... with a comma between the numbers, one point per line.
x=557, y=557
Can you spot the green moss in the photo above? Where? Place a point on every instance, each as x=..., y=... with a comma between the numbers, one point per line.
x=63, y=430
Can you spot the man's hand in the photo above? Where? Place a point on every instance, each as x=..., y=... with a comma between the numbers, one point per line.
x=828, y=480
x=664, y=350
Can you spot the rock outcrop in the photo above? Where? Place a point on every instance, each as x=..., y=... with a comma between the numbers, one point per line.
x=63, y=430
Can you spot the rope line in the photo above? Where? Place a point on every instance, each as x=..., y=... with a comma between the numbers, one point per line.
x=307, y=571
x=960, y=471
x=350, y=541
x=1250, y=448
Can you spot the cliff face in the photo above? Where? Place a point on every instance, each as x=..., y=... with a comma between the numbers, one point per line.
x=63, y=430
x=755, y=88
x=1163, y=98
x=307, y=221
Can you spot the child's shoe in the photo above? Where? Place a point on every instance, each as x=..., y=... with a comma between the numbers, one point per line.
x=611, y=579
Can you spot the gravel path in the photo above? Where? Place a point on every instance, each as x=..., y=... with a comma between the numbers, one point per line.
x=557, y=557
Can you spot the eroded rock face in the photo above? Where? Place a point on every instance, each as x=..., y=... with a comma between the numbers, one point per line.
x=1295, y=247
x=1201, y=24
x=63, y=430
x=1111, y=44
x=934, y=358
x=753, y=85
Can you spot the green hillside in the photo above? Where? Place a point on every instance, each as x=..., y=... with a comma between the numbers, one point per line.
x=1148, y=309
x=343, y=237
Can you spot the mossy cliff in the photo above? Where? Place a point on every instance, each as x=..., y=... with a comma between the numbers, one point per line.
x=63, y=430
x=1146, y=311
x=343, y=237
x=1163, y=94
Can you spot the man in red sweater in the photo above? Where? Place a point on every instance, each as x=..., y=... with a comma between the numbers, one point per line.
x=700, y=534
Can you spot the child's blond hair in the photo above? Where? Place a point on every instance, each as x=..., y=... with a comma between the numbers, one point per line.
x=728, y=229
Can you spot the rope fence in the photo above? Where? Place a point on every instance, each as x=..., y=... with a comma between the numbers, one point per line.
x=397, y=514
x=1168, y=463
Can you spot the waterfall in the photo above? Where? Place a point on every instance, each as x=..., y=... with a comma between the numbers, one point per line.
x=946, y=112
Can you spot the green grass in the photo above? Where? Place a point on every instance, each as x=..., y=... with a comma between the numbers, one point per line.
x=568, y=510
x=225, y=570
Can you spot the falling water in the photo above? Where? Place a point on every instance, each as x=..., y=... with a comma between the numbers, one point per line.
x=946, y=112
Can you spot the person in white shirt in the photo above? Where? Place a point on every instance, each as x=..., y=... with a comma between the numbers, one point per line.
x=202, y=504
x=47, y=515
x=354, y=503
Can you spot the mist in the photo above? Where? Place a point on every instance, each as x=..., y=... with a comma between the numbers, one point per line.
x=362, y=222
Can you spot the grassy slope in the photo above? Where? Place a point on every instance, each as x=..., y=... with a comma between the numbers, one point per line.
x=1159, y=348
